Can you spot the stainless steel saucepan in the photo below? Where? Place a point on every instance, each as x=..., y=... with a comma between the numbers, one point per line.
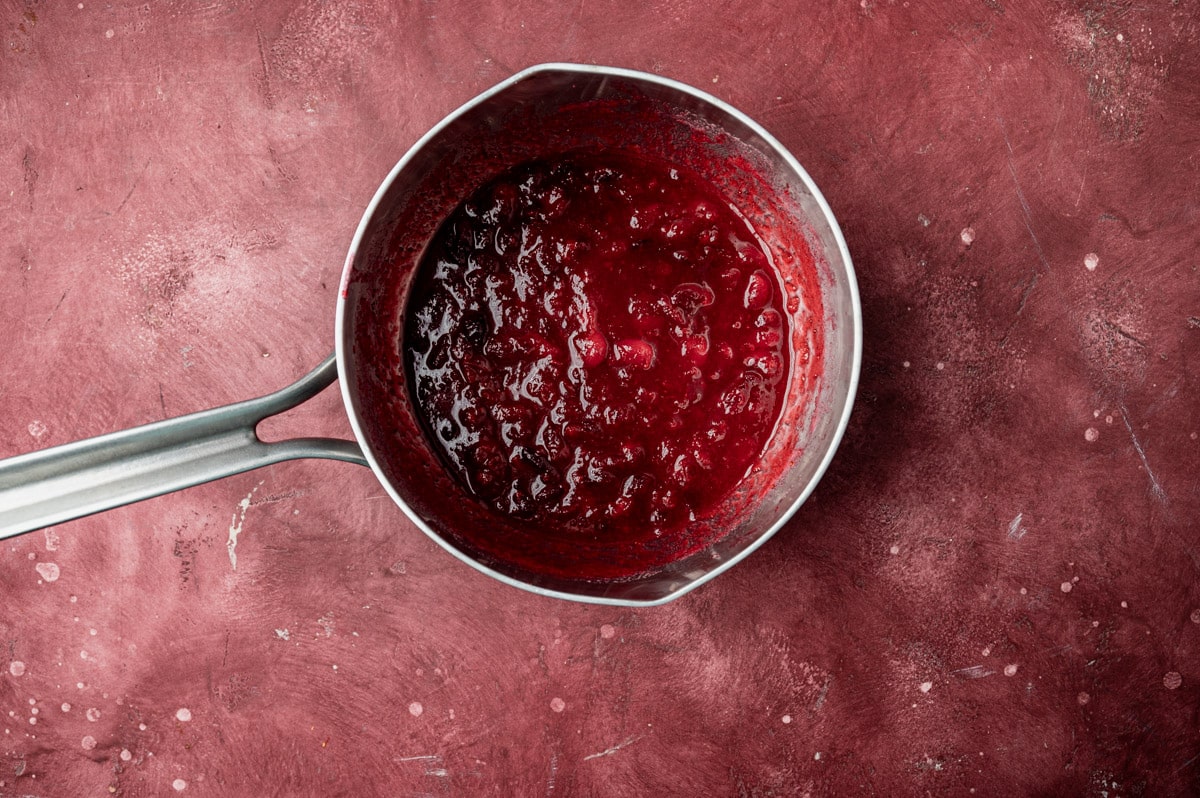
x=539, y=111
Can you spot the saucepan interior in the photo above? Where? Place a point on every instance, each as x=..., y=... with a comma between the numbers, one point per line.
x=549, y=110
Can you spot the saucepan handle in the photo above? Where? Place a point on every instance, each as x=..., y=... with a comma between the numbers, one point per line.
x=77, y=479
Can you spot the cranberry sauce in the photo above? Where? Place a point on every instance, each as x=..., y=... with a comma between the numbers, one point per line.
x=596, y=348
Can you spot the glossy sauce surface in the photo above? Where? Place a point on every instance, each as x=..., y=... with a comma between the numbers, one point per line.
x=596, y=346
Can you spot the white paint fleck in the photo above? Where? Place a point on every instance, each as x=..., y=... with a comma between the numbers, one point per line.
x=786, y=719
x=88, y=742
x=907, y=364
x=894, y=550
x=283, y=634
x=923, y=219
x=1024, y=591
x=968, y=235
x=940, y=366
x=108, y=34
x=557, y=704
x=183, y=714
x=92, y=632
x=987, y=651
x=926, y=687
x=235, y=524
x=1015, y=530
x=1120, y=37
x=33, y=721
x=141, y=727
x=79, y=685
x=817, y=756
x=608, y=631
x=1083, y=698
x=1124, y=605
x=16, y=667
x=1172, y=680
x=66, y=707
x=1091, y=435
x=415, y=709
x=74, y=599
x=93, y=714
x=1010, y=670
x=37, y=429
x=126, y=755
x=51, y=539
x=1195, y=616
x=179, y=784
x=1065, y=587
x=1091, y=261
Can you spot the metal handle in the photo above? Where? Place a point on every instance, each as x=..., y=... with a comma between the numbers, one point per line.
x=77, y=479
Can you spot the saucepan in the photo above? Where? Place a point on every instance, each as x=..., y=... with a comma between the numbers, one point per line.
x=542, y=110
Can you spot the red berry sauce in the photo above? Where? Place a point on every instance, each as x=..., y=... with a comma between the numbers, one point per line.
x=596, y=348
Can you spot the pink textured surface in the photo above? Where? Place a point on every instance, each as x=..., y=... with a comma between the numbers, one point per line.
x=994, y=590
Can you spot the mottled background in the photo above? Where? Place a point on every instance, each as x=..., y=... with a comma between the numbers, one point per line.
x=992, y=593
